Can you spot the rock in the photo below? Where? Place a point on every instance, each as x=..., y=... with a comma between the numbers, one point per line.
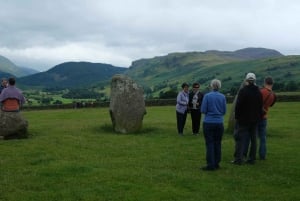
x=12, y=125
x=127, y=105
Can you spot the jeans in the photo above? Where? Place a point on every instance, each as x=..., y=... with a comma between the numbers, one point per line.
x=262, y=135
x=181, y=119
x=213, y=133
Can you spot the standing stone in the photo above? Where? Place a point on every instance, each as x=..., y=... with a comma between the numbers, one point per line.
x=231, y=121
x=127, y=105
x=12, y=125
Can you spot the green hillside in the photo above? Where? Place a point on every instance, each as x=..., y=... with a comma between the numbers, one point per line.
x=8, y=68
x=161, y=74
x=164, y=74
x=72, y=75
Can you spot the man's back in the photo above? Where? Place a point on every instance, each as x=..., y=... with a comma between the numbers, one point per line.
x=11, y=97
x=249, y=105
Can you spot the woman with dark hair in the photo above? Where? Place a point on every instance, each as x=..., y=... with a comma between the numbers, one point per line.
x=182, y=102
x=195, y=100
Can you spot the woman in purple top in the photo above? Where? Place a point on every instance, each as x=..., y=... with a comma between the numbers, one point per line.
x=182, y=107
x=11, y=92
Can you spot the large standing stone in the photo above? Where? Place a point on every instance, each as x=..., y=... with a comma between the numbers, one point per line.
x=12, y=125
x=231, y=120
x=127, y=105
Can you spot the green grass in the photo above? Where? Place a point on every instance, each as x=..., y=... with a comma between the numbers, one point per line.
x=74, y=155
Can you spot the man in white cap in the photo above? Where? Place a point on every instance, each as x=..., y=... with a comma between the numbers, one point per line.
x=248, y=111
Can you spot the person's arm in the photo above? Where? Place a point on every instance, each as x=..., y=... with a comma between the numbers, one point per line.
x=204, y=105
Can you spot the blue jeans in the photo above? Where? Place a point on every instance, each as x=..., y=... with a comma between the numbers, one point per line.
x=262, y=135
x=213, y=133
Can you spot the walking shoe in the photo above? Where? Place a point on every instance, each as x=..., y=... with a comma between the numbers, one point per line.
x=251, y=162
x=237, y=162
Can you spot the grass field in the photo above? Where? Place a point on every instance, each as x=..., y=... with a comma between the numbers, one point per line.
x=74, y=155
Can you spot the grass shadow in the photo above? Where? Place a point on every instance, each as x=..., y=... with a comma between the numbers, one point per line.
x=108, y=129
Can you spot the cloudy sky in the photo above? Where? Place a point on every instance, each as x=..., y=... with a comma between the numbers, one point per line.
x=43, y=33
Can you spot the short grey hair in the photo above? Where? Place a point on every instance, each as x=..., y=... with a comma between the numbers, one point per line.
x=215, y=84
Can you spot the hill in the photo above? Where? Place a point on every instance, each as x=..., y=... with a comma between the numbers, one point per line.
x=72, y=75
x=168, y=72
x=8, y=69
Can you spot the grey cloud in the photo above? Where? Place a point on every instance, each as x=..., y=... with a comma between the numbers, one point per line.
x=118, y=32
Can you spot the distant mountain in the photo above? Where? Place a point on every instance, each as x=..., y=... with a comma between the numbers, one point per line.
x=176, y=68
x=256, y=53
x=28, y=71
x=165, y=73
x=8, y=69
x=248, y=53
x=72, y=75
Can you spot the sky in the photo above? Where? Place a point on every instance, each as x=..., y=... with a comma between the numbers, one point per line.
x=41, y=34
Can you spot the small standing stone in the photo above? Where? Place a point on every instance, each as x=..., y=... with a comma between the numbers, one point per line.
x=127, y=105
x=12, y=125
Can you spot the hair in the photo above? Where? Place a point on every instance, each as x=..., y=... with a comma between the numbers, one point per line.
x=269, y=80
x=11, y=81
x=251, y=82
x=196, y=84
x=184, y=85
x=215, y=84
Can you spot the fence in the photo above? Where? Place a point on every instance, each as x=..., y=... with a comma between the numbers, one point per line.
x=153, y=102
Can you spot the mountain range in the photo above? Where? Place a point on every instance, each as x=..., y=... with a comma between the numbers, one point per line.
x=72, y=75
x=163, y=73
x=8, y=69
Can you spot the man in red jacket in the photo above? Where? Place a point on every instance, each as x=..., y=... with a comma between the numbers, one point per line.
x=269, y=99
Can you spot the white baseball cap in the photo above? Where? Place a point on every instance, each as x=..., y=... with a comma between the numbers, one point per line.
x=250, y=76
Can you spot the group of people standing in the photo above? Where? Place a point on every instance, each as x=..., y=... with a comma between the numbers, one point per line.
x=251, y=109
x=189, y=101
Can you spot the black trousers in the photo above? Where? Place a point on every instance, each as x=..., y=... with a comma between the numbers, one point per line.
x=196, y=118
x=245, y=132
x=181, y=119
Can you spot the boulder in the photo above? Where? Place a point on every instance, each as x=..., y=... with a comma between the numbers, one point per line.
x=127, y=105
x=12, y=125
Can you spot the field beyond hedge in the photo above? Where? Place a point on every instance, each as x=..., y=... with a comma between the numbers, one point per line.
x=73, y=155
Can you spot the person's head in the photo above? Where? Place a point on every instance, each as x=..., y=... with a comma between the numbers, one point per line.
x=185, y=86
x=269, y=81
x=12, y=81
x=4, y=82
x=215, y=84
x=196, y=86
x=250, y=78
